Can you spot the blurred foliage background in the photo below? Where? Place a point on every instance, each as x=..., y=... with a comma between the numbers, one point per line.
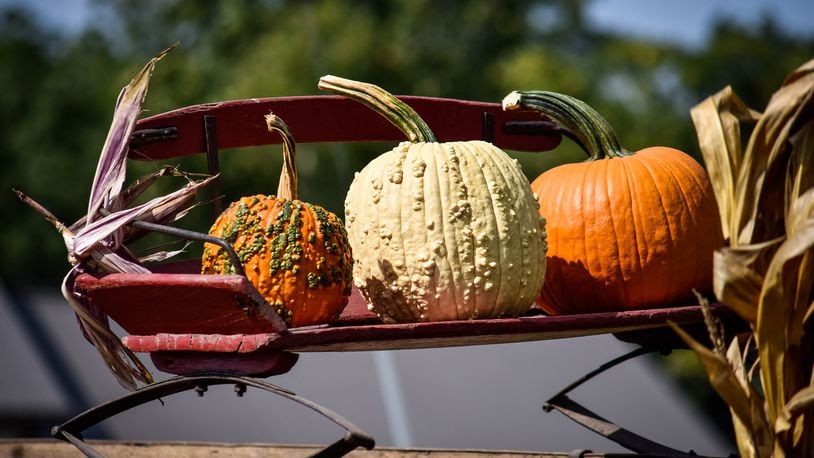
x=58, y=91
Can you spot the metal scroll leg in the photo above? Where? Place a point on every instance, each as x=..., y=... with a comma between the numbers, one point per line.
x=585, y=417
x=72, y=429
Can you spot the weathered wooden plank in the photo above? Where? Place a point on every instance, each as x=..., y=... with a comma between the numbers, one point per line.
x=46, y=448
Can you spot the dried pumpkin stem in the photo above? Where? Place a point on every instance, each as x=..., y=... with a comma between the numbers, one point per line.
x=594, y=132
x=287, y=188
x=397, y=112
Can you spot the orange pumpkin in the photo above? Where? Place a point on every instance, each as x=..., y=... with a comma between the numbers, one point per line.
x=626, y=230
x=295, y=253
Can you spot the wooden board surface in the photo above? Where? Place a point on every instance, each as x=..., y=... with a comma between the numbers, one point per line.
x=24, y=448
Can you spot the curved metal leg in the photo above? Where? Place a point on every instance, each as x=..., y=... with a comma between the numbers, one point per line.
x=71, y=430
x=585, y=417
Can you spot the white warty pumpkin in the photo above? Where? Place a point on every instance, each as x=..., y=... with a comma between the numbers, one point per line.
x=445, y=231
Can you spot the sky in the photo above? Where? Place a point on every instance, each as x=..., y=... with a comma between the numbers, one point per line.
x=688, y=22
x=685, y=22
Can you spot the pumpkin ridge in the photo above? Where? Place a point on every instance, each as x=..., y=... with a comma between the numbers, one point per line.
x=458, y=233
x=612, y=169
x=537, y=262
x=475, y=152
x=554, y=274
x=607, y=264
x=670, y=228
x=514, y=179
x=398, y=241
x=359, y=216
x=428, y=276
x=505, y=246
x=693, y=202
x=513, y=174
x=499, y=172
x=420, y=280
x=390, y=307
x=638, y=232
x=592, y=252
x=306, y=294
x=383, y=221
x=670, y=165
x=443, y=182
x=465, y=156
x=432, y=227
x=688, y=204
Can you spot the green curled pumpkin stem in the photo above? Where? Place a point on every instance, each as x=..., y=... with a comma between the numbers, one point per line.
x=386, y=104
x=287, y=188
x=594, y=133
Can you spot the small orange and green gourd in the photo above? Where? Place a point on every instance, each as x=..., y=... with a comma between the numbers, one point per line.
x=295, y=253
x=440, y=231
x=626, y=230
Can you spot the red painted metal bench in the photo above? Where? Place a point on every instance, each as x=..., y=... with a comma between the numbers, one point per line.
x=192, y=324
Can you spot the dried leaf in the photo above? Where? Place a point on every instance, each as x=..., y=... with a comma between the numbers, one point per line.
x=738, y=276
x=734, y=356
x=767, y=274
x=718, y=122
x=97, y=240
x=790, y=415
x=801, y=164
x=760, y=185
x=801, y=71
x=783, y=303
x=110, y=171
x=115, y=355
x=744, y=402
x=92, y=235
x=161, y=256
x=800, y=209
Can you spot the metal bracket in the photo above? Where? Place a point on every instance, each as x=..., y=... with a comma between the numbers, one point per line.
x=213, y=163
x=71, y=430
x=488, y=127
x=192, y=235
x=585, y=417
x=148, y=136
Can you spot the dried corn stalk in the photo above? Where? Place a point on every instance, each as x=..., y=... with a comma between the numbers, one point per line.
x=97, y=242
x=766, y=274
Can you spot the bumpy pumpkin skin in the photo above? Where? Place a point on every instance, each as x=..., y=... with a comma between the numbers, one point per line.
x=295, y=253
x=627, y=233
x=445, y=231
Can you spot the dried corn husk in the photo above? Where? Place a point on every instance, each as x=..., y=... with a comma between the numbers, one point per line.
x=766, y=274
x=97, y=242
